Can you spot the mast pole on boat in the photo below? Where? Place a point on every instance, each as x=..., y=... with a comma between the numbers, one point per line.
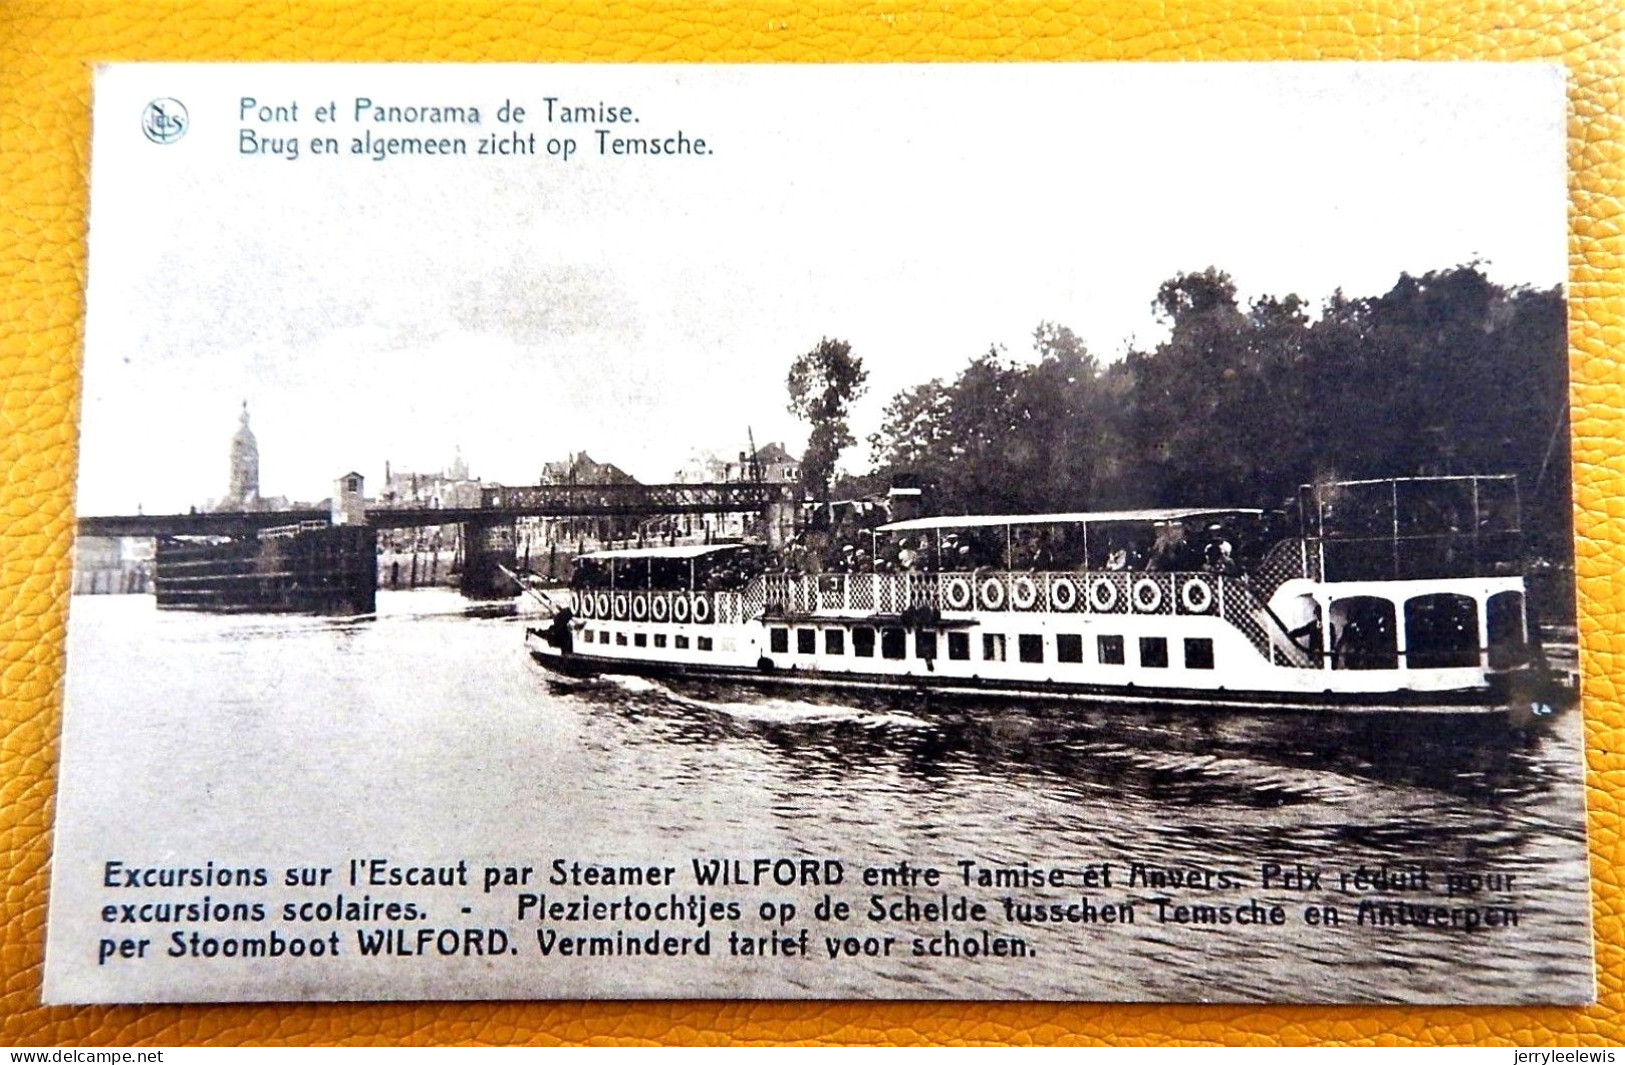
x=1393, y=489
x=539, y=596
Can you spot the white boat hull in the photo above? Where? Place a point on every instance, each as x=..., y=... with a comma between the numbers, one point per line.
x=1064, y=663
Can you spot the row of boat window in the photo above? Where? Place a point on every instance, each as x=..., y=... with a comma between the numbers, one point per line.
x=893, y=644
x=641, y=639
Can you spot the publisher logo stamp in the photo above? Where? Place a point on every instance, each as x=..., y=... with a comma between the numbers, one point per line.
x=165, y=121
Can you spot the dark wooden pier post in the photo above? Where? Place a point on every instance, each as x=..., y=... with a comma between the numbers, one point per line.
x=323, y=570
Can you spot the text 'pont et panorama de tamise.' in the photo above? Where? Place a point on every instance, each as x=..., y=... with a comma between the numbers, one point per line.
x=546, y=128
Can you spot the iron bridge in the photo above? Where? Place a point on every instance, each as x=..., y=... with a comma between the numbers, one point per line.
x=498, y=503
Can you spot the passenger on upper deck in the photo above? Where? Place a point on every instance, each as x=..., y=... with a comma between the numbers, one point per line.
x=1220, y=557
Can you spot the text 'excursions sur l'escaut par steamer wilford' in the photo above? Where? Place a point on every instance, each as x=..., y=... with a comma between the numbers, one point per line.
x=750, y=907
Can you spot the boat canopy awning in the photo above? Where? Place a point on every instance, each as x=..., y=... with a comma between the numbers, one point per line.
x=982, y=521
x=688, y=551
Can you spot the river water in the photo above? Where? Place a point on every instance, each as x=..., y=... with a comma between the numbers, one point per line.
x=427, y=735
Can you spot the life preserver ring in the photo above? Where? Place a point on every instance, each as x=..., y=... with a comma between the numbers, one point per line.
x=620, y=606
x=583, y=604
x=702, y=609
x=1063, y=595
x=600, y=605
x=1103, y=595
x=679, y=608
x=1023, y=593
x=659, y=608
x=956, y=594
x=992, y=592
x=640, y=607
x=1196, y=596
x=1147, y=596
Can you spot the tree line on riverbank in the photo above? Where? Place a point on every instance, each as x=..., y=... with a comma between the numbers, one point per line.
x=1448, y=373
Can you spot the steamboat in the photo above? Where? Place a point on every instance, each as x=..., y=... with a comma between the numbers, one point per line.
x=1383, y=595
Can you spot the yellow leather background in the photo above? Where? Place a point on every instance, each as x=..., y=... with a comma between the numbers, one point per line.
x=47, y=50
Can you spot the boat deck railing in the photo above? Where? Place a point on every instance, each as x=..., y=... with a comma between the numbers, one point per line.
x=1287, y=560
x=1235, y=599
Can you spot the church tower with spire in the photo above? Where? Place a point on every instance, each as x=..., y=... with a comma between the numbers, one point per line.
x=244, y=493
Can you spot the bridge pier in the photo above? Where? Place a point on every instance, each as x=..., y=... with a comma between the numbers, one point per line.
x=779, y=522
x=489, y=544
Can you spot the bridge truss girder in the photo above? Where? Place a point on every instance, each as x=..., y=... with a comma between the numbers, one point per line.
x=499, y=503
x=565, y=500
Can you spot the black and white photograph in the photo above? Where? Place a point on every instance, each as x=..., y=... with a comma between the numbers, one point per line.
x=1088, y=532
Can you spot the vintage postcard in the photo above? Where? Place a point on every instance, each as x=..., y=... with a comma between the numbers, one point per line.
x=1079, y=532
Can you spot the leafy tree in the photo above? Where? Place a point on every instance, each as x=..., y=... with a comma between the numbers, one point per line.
x=823, y=384
x=1447, y=373
x=1189, y=392
x=1059, y=427
x=913, y=430
x=1004, y=436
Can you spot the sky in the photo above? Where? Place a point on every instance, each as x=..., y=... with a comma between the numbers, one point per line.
x=640, y=308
